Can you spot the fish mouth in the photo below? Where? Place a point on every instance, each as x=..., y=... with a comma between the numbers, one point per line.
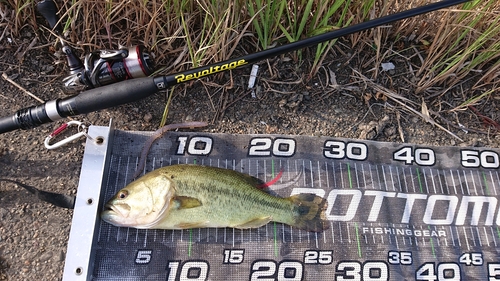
x=111, y=214
x=109, y=207
x=112, y=210
x=108, y=212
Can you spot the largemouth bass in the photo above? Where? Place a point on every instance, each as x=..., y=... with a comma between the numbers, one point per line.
x=193, y=196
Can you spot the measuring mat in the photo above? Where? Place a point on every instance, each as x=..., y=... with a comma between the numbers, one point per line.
x=396, y=211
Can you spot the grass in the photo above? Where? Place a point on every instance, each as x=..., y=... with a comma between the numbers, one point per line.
x=446, y=46
x=266, y=17
x=312, y=17
x=466, y=37
x=466, y=41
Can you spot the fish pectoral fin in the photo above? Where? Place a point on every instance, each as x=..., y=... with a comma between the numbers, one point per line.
x=185, y=202
x=258, y=222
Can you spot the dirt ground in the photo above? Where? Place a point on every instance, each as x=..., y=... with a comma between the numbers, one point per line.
x=34, y=234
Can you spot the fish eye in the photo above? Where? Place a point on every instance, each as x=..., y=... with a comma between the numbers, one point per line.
x=122, y=194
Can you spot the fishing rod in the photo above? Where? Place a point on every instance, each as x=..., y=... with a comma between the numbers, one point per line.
x=139, y=88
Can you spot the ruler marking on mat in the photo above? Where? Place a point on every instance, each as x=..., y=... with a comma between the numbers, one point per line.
x=376, y=210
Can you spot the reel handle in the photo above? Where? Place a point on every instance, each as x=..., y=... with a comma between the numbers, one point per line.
x=48, y=10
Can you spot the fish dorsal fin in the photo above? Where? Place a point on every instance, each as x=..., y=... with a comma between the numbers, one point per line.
x=186, y=202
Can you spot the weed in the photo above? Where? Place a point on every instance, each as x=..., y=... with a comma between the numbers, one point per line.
x=267, y=17
x=466, y=41
x=312, y=18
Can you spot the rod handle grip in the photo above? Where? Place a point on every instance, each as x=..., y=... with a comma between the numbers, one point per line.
x=108, y=96
x=7, y=124
x=89, y=101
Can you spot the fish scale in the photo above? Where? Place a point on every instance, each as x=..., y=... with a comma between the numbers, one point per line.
x=228, y=188
x=231, y=197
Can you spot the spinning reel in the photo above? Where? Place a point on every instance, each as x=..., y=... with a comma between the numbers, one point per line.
x=109, y=66
x=102, y=67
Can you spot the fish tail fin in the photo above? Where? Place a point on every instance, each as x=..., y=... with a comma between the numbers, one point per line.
x=309, y=212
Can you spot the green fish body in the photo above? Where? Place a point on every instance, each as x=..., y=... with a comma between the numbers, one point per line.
x=193, y=196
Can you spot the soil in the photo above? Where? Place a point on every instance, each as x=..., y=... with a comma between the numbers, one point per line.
x=34, y=234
